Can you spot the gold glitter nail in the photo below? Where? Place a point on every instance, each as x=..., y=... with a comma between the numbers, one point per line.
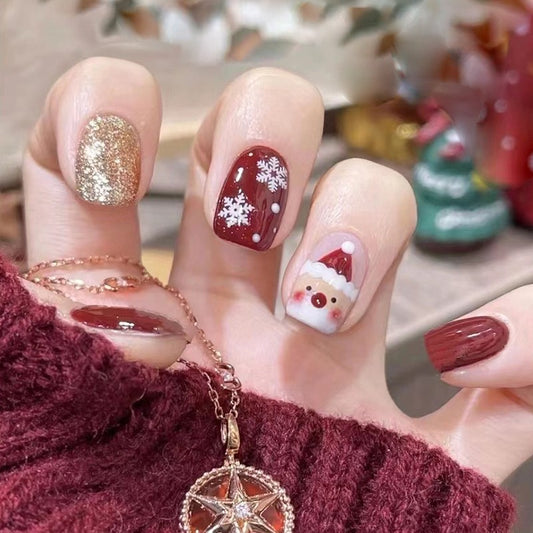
x=108, y=162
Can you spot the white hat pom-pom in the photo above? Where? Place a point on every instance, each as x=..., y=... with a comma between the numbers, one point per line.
x=348, y=247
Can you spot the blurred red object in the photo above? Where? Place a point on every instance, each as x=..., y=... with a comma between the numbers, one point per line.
x=507, y=154
x=521, y=199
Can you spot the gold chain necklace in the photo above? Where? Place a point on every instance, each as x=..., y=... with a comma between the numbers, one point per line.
x=233, y=498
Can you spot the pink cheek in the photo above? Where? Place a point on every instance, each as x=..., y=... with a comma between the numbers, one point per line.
x=298, y=296
x=335, y=314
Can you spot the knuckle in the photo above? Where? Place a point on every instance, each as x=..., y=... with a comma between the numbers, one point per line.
x=95, y=71
x=257, y=78
x=378, y=175
x=97, y=64
x=88, y=66
x=389, y=194
x=383, y=184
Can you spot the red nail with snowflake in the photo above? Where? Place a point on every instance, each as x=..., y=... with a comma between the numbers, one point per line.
x=253, y=198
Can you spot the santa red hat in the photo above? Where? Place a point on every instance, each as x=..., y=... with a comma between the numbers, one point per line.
x=335, y=268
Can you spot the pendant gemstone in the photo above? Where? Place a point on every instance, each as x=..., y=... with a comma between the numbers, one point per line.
x=243, y=511
x=237, y=499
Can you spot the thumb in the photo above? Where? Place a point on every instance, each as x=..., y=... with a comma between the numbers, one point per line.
x=158, y=351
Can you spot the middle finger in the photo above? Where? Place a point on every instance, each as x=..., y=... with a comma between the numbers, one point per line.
x=251, y=161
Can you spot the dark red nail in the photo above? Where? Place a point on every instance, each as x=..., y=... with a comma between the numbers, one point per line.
x=253, y=198
x=125, y=319
x=464, y=342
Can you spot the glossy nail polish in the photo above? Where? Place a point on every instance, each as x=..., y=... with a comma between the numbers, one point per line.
x=465, y=342
x=108, y=162
x=126, y=319
x=328, y=283
x=252, y=200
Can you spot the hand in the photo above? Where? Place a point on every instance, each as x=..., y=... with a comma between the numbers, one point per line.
x=261, y=139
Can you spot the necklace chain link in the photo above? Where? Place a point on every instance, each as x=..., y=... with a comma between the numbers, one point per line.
x=232, y=477
x=228, y=380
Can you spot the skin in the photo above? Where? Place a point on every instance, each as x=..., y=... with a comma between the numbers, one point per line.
x=232, y=290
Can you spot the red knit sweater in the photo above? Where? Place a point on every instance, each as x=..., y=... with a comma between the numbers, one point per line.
x=90, y=443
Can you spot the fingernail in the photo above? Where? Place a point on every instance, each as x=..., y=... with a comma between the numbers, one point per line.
x=465, y=342
x=328, y=283
x=108, y=162
x=126, y=319
x=252, y=201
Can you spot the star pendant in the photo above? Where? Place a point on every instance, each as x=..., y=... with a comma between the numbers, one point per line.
x=238, y=512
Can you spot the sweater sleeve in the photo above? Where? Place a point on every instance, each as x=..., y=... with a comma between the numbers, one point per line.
x=90, y=442
x=57, y=382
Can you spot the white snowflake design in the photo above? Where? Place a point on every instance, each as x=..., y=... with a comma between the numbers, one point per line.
x=236, y=210
x=273, y=173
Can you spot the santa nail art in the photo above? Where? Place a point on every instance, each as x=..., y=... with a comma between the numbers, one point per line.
x=328, y=283
x=253, y=198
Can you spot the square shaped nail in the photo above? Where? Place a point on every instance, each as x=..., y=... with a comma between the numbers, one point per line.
x=252, y=200
x=108, y=162
x=465, y=342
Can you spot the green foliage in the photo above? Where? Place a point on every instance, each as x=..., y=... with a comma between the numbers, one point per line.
x=374, y=18
x=371, y=19
x=401, y=6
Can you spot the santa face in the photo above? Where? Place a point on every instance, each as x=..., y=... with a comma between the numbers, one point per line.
x=318, y=304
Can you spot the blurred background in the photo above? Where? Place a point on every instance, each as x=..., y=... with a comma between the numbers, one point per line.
x=441, y=90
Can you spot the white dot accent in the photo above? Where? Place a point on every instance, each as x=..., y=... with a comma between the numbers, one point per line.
x=512, y=77
x=500, y=105
x=508, y=142
x=523, y=29
x=348, y=247
x=275, y=208
x=530, y=162
x=453, y=136
x=250, y=154
x=256, y=237
x=275, y=230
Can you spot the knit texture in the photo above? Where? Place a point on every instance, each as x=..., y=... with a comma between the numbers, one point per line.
x=91, y=443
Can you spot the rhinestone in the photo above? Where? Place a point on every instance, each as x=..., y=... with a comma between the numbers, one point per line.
x=242, y=511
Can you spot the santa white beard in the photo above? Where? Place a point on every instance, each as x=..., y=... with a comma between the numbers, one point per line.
x=316, y=317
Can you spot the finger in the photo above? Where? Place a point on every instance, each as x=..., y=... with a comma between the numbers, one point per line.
x=90, y=159
x=251, y=161
x=490, y=423
x=361, y=217
x=147, y=337
x=88, y=162
x=338, y=285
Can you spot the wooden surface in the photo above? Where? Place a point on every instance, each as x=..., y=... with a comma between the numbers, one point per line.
x=431, y=290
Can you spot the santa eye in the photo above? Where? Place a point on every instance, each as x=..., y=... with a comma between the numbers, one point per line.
x=308, y=288
x=333, y=300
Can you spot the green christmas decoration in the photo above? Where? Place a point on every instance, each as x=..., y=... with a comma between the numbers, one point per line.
x=457, y=209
